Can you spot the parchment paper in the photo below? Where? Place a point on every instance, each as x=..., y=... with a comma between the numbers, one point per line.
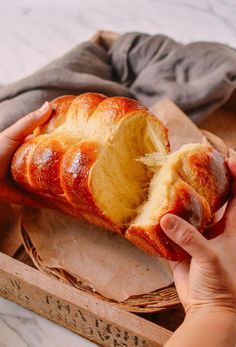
x=107, y=262
x=223, y=124
x=104, y=260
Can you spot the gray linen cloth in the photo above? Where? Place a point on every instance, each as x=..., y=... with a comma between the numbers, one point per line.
x=199, y=77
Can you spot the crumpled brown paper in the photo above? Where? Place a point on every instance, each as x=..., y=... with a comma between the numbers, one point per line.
x=101, y=259
x=181, y=129
x=105, y=261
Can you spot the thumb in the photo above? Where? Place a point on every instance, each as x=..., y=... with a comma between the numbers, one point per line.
x=187, y=237
x=25, y=126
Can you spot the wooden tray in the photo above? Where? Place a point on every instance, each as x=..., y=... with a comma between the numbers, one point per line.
x=95, y=319
x=83, y=313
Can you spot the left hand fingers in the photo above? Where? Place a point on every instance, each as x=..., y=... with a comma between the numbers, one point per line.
x=25, y=126
x=11, y=138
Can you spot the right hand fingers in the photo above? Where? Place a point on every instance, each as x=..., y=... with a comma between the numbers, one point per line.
x=187, y=237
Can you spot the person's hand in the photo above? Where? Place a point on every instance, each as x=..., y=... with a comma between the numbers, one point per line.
x=10, y=140
x=206, y=281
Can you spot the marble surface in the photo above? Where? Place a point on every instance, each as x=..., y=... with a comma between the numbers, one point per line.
x=35, y=32
x=22, y=328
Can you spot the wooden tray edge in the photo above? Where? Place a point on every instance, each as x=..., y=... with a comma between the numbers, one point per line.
x=93, y=318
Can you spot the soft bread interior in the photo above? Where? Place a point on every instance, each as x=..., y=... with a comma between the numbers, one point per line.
x=119, y=181
x=166, y=170
x=158, y=197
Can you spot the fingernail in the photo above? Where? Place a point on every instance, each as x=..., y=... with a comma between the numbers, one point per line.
x=168, y=222
x=44, y=107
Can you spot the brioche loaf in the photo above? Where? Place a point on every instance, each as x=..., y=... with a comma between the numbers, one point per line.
x=108, y=160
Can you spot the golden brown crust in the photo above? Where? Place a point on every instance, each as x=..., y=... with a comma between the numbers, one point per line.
x=19, y=163
x=75, y=171
x=118, y=107
x=44, y=166
x=60, y=107
x=56, y=167
x=75, y=182
x=85, y=105
x=206, y=171
x=185, y=203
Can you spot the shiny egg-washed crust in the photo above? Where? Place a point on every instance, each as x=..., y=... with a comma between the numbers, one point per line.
x=56, y=165
x=201, y=188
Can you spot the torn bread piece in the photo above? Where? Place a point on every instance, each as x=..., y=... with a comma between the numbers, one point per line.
x=192, y=183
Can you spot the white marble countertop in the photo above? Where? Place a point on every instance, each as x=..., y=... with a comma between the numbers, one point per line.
x=35, y=32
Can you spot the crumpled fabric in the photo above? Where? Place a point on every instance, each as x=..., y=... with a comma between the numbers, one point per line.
x=199, y=77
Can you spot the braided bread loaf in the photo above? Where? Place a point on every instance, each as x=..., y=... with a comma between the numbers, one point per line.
x=107, y=160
